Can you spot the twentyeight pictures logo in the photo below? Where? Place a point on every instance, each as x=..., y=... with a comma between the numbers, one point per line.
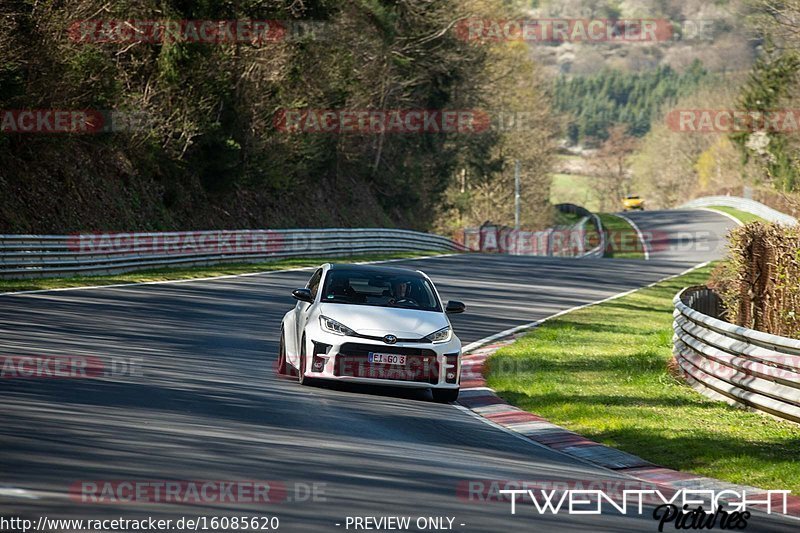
x=670, y=507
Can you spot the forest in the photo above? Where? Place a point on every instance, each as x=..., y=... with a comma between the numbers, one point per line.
x=199, y=147
x=613, y=97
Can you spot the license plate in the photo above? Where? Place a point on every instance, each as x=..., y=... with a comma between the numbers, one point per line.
x=386, y=358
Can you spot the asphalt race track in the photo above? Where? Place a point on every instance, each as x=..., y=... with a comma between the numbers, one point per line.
x=208, y=405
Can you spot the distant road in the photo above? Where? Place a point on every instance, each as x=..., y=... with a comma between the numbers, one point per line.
x=681, y=235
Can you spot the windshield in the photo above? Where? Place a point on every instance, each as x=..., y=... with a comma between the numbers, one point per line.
x=379, y=289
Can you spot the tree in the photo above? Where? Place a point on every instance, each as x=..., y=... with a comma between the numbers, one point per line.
x=671, y=167
x=611, y=167
x=513, y=93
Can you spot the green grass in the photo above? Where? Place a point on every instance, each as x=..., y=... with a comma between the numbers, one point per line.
x=574, y=189
x=168, y=274
x=624, y=243
x=602, y=371
x=566, y=219
x=742, y=216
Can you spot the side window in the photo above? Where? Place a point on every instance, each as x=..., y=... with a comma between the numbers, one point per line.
x=313, y=283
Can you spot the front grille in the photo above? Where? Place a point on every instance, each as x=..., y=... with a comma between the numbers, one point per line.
x=356, y=349
x=420, y=367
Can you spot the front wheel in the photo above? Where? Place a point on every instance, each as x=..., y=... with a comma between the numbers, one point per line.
x=444, y=395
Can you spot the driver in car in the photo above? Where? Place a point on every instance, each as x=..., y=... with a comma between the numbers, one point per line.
x=401, y=291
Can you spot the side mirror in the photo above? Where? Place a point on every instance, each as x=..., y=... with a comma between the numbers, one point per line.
x=454, y=307
x=304, y=295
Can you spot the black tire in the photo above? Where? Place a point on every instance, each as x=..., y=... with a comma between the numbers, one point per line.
x=444, y=395
x=282, y=370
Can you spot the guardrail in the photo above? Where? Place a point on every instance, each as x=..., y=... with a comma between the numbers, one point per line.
x=573, y=209
x=600, y=249
x=731, y=363
x=29, y=256
x=744, y=204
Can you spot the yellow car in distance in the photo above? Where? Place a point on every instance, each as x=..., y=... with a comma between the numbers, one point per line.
x=632, y=203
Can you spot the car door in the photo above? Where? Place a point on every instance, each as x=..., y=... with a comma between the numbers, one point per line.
x=303, y=309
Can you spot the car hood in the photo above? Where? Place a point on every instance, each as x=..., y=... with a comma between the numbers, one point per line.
x=379, y=321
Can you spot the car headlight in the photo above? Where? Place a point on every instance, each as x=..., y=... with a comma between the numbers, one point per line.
x=332, y=326
x=442, y=335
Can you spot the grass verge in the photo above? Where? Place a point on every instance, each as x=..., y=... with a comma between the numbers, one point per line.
x=742, y=216
x=169, y=274
x=623, y=241
x=574, y=189
x=603, y=372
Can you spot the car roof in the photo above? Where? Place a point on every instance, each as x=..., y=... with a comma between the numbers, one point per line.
x=376, y=269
